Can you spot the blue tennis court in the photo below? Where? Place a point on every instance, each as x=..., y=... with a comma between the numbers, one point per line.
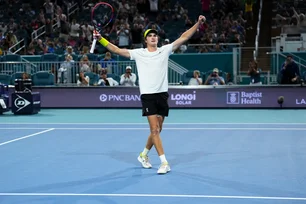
x=216, y=156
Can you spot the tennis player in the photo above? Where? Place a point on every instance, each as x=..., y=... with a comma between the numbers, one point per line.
x=152, y=66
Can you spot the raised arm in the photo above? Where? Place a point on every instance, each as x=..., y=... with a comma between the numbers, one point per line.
x=188, y=34
x=111, y=47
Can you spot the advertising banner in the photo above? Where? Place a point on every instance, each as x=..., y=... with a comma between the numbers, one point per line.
x=129, y=97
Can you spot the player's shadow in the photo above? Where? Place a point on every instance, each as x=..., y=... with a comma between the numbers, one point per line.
x=106, y=184
x=126, y=157
x=192, y=157
x=202, y=182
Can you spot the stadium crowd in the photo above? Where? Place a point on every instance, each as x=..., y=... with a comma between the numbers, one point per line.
x=289, y=12
x=71, y=35
x=226, y=24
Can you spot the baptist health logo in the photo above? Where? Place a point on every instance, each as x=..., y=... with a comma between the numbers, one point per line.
x=236, y=97
x=233, y=97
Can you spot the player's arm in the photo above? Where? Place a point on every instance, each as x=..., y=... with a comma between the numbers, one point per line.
x=187, y=34
x=111, y=47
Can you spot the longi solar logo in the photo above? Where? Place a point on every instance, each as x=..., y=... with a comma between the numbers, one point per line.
x=236, y=97
x=183, y=99
x=121, y=98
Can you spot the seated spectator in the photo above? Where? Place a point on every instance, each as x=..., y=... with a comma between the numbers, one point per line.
x=85, y=64
x=254, y=72
x=214, y=78
x=108, y=63
x=107, y=81
x=25, y=76
x=290, y=73
x=82, y=80
x=229, y=79
x=128, y=78
x=65, y=70
x=196, y=80
x=69, y=51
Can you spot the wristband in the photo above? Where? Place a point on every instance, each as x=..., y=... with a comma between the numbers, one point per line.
x=103, y=41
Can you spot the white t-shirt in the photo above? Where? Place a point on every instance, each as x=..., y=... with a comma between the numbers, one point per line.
x=152, y=68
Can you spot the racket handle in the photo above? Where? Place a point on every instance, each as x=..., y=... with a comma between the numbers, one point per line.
x=93, y=45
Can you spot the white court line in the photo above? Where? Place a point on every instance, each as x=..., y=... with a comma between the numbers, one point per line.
x=147, y=123
x=27, y=136
x=153, y=195
x=114, y=128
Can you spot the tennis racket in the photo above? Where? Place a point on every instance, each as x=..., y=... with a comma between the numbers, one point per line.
x=102, y=15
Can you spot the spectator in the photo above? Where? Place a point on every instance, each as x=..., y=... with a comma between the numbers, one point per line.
x=196, y=80
x=214, y=78
x=107, y=81
x=290, y=73
x=108, y=63
x=85, y=64
x=128, y=78
x=249, y=13
x=65, y=70
x=254, y=72
x=82, y=80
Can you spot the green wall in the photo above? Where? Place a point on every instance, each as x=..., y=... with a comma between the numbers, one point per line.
x=205, y=62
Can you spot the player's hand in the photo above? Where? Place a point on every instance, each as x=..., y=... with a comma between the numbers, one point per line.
x=201, y=19
x=96, y=35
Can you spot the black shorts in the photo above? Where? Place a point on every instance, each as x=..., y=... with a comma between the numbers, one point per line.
x=155, y=104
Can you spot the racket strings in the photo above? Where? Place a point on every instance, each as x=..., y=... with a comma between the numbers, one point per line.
x=102, y=15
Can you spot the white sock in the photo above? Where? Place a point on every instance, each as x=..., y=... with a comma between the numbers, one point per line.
x=145, y=152
x=163, y=159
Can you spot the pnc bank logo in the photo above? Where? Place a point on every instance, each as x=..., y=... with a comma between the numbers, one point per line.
x=103, y=97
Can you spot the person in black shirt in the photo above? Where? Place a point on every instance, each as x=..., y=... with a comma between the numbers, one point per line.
x=254, y=72
x=290, y=73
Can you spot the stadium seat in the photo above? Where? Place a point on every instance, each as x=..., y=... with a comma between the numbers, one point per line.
x=115, y=77
x=42, y=78
x=93, y=78
x=11, y=58
x=188, y=75
x=51, y=62
x=5, y=79
x=304, y=76
x=17, y=75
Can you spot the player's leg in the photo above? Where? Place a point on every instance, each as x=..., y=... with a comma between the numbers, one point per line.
x=161, y=120
x=155, y=134
x=154, y=123
x=149, y=144
x=163, y=111
x=148, y=108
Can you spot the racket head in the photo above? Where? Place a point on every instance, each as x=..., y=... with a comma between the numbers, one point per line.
x=102, y=15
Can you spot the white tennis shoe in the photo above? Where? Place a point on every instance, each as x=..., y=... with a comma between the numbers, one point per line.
x=164, y=168
x=144, y=160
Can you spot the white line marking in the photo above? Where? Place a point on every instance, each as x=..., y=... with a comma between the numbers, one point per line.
x=21, y=138
x=147, y=123
x=114, y=128
x=153, y=195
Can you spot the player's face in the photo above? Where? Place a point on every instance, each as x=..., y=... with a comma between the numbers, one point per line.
x=152, y=39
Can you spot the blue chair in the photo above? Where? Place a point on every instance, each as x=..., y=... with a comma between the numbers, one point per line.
x=115, y=77
x=49, y=62
x=188, y=75
x=43, y=78
x=304, y=76
x=5, y=79
x=11, y=58
x=93, y=78
x=17, y=75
